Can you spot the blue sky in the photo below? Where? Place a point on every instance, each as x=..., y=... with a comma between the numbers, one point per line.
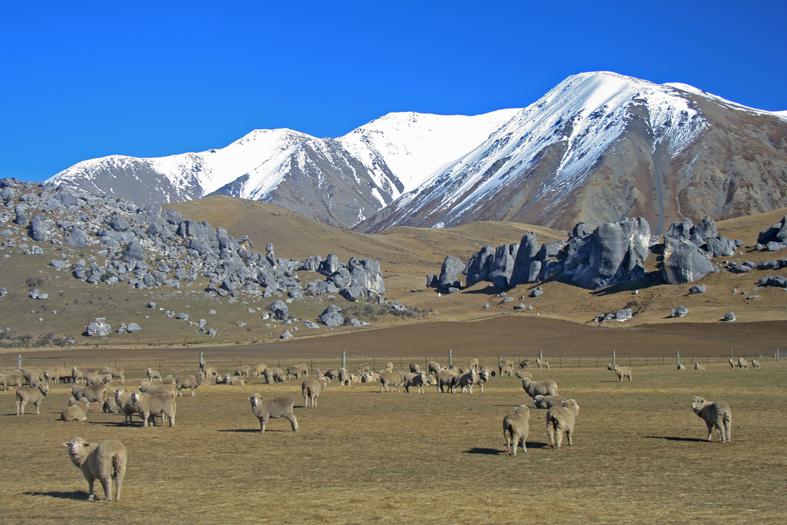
x=88, y=79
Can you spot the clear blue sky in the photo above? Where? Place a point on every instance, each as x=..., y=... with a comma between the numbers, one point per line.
x=80, y=80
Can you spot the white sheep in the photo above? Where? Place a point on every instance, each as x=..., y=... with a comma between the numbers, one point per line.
x=275, y=408
x=153, y=374
x=755, y=364
x=148, y=388
x=11, y=379
x=446, y=379
x=211, y=371
x=391, y=379
x=742, y=364
x=516, y=427
x=434, y=368
x=344, y=377
x=150, y=405
x=547, y=402
x=169, y=380
x=104, y=461
x=76, y=412
x=623, y=371
x=125, y=404
x=506, y=367
x=243, y=371
x=525, y=363
x=466, y=381
x=29, y=394
x=418, y=380
x=542, y=364
x=717, y=414
x=311, y=389
x=116, y=373
x=415, y=368
x=560, y=420
x=681, y=367
x=522, y=375
x=303, y=368
x=474, y=363
x=698, y=366
x=535, y=388
x=191, y=382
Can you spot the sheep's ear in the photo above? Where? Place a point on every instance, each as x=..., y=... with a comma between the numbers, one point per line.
x=66, y=444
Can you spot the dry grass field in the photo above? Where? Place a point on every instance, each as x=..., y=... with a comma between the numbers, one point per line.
x=639, y=453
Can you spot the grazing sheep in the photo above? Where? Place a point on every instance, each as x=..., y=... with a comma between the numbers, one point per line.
x=391, y=379
x=474, y=363
x=389, y=366
x=278, y=375
x=257, y=371
x=364, y=369
x=93, y=393
x=505, y=369
x=191, y=382
x=742, y=363
x=681, y=367
x=311, y=389
x=560, y=420
x=446, y=379
x=542, y=364
x=76, y=375
x=418, y=380
x=525, y=363
x=522, y=375
x=34, y=376
x=434, y=368
x=547, y=402
x=243, y=371
x=29, y=394
x=275, y=408
x=543, y=388
x=698, y=366
x=732, y=363
x=303, y=368
x=116, y=373
x=415, y=368
x=76, y=412
x=623, y=371
x=466, y=381
x=210, y=371
x=169, y=380
x=331, y=373
x=516, y=427
x=153, y=374
x=96, y=377
x=104, y=461
x=755, y=364
x=150, y=405
x=293, y=371
x=11, y=379
x=717, y=414
x=148, y=388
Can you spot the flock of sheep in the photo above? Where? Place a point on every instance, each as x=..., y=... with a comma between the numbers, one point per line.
x=156, y=399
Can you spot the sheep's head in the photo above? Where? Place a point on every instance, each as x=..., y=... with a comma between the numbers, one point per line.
x=135, y=397
x=44, y=388
x=526, y=382
x=523, y=410
x=255, y=399
x=572, y=405
x=76, y=447
x=697, y=403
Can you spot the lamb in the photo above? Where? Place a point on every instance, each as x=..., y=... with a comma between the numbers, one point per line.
x=547, y=402
x=516, y=427
x=417, y=380
x=29, y=394
x=191, y=382
x=543, y=388
x=95, y=377
x=698, y=366
x=76, y=412
x=230, y=380
x=104, y=461
x=560, y=420
x=483, y=378
x=243, y=371
x=311, y=389
x=392, y=379
x=331, y=373
x=742, y=363
x=153, y=374
x=389, y=366
x=125, y=404
x=755, y=364
x=364, y=369
x=116, y=373
x=542, y=364
x=147, y=405
x=303, y=368
x=717, y=414
x=275, y=408
x=76, y=375
x=623, y=371
x=110, y=406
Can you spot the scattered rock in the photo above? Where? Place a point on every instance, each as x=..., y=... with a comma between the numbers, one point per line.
x=98, y=328
x=680, y=311
x=729, y=316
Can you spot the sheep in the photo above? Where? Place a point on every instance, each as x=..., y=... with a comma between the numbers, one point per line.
x=10, y=379
x=148, y=388
x=278, y=375
x=742, y=363
x=681, y=367
x=516, y=427
x=525, y=363
x=483, y=378
x=303, y=368
x=125, y=404
x=698, y=366
x=535, y=388
x=76, y=412
x=104, y=461
x=230, y=380
x=542, y=364
x=243, y=371
x=110, y=406
x=294, y=371
x=434, y=368
x=210, y=371
x=474, y=363
x=331, y=373
x=415, y=368
x=275, y=408
x=153, y=374
x=29, y=394
x=364, y=368
x=391, y=379
x=51, y=375
x=116, y=373
x=368, y=377
x=522, y=375
x=505, y=369
x=466, y=381
x=147, y=405
x=93, y=393
x=311, y=389
x=169, y=380
x=96, y=377
x=76, y=375
x=191, y=382
x=560, y=420
x=610, y=366
x=755, y=364
x=732, y=363
x=547, y=402
x=418, y=380
x=34, y=375
x=446, y=379
x=623, y=371
x=717, y=414
x=389, y=366
x=344, y=377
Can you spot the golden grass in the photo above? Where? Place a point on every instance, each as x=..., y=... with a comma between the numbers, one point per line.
x=639, y=454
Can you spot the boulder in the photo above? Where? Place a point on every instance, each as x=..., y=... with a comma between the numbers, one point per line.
x=697, y=289
x=38, y=228
x=367, y=273
x=352, y=293
x=684, y=262
x=98, y=328
x=449, y=273
x=680, y=311
x=135, y=252
x=279, y=310
x=526, y=266
x=133, y=328
x=777, y=233
x=502, y=265
x=331, y=316
x=729, y=316
x=76, y=238
x=478, y=266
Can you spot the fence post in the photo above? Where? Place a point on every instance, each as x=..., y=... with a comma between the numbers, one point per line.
x=730, y=353
x=777, y=354
x=19, y=362
x=613, y=358
x=344, y=356
x=541, y=354
x=678, y=356
x=450, y=357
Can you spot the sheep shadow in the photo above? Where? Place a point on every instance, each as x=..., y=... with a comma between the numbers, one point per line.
x=255, y=430
x=74, y=495
x=485, y=451
x=675, y=438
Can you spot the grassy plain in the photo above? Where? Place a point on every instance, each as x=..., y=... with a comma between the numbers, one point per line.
x=639, y=453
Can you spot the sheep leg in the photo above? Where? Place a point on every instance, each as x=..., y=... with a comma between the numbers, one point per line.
x=38, y=407
x=710, y=430
x=293, y=422
x=551, y=434
x=90, y=480
x=193, y=393
x=568, y=436
x=522, y=440
x=171, y=418
x=263, y=421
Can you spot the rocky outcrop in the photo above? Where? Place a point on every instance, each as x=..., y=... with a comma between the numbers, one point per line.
x=684, y=262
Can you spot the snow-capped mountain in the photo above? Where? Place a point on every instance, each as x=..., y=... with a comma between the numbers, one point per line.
x=600, y=147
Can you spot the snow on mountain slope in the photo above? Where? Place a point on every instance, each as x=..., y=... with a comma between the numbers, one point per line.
x=415, y=145
x=720, y=100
